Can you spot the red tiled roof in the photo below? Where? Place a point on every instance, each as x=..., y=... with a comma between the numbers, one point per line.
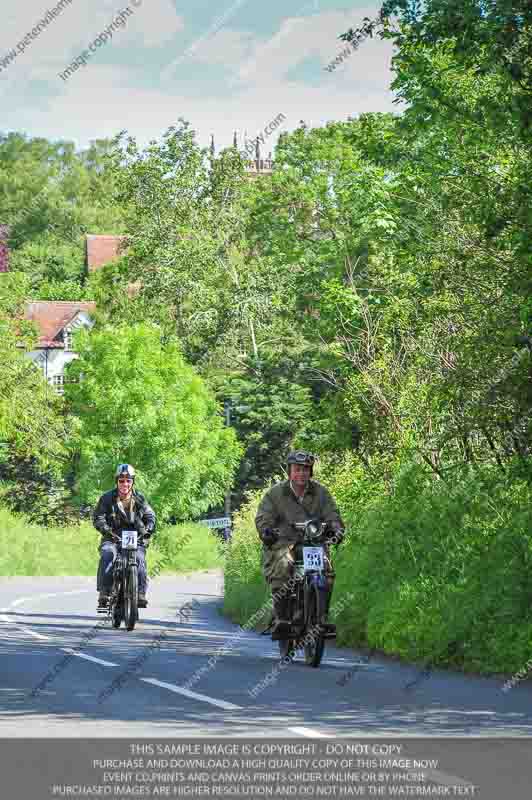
x=102, y=249
x=51, y=316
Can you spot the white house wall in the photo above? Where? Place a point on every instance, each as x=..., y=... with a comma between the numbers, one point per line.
x=57, y=360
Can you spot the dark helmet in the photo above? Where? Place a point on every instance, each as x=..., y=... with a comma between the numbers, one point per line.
x=125, y=469
x=301, y=457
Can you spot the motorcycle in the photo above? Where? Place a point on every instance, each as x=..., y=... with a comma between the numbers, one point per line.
x=123, y=602
x=309, y=596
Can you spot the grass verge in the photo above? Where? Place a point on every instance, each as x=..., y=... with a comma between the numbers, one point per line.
x=33, y=550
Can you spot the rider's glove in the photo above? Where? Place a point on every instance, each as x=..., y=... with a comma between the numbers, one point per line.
x=268, y=536
x=140, y=528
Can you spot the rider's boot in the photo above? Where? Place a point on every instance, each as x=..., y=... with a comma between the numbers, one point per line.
x=298, y=621
x=142, y=602
x=329, y=628
x=281, y=628
x=103, y=599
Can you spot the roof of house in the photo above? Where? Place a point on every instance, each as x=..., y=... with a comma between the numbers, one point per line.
x=51, y=316
x=101, y=249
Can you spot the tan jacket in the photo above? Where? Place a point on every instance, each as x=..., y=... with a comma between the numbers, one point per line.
x=280, y=507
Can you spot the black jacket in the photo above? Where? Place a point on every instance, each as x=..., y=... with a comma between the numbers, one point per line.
x=108, y=516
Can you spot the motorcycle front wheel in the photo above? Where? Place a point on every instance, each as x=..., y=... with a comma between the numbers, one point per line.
x=314, y=648
x=117, y=611
x=131, y=597
x=287, y=647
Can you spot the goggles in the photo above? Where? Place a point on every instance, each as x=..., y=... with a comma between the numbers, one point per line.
x=301, y=457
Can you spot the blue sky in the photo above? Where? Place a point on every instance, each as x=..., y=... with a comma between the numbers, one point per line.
x=223, y=65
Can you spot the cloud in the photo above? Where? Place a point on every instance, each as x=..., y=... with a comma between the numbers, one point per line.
x=105, y=97
x=301, y=37
x=152, y=23
x=225, y=47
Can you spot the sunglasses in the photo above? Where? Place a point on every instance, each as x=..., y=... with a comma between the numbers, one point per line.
x=125, y=480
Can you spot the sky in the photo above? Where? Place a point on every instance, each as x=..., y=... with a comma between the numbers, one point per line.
x=223, y=65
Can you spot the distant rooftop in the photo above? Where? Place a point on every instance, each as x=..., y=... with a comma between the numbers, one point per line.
x=51, y=316
x=101, y=249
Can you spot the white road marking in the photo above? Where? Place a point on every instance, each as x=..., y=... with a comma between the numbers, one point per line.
x=193, y=695
x=311, y=734
x=8, y=621
x=89, y=658
x=20, y=600
x=34, y=633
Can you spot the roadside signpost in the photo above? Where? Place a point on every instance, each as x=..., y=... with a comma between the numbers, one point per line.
x=218, y=522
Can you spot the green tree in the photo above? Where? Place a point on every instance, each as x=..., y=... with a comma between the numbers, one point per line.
x=139, y=402
x=33, y=427
x=51, y=196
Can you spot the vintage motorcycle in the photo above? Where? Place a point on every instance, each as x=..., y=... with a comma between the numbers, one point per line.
x=308, y=600
x=123, y=602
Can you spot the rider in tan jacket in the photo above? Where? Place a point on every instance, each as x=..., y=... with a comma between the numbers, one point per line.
x=297, y=499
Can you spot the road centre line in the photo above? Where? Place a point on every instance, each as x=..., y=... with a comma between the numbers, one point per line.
x=89, y=658
x=193, y=695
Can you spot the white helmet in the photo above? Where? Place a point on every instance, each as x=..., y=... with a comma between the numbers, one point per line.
x=125, y=469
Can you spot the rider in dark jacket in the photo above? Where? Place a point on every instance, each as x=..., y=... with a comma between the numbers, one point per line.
x=122, y=508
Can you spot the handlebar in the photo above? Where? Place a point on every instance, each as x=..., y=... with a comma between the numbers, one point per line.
x=310, y=529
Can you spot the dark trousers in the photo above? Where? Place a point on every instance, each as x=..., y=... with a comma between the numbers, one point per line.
x=108, y=552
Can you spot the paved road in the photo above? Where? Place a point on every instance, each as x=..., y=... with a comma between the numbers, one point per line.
x=57, y=672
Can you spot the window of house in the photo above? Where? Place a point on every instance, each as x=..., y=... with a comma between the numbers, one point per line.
x=67, y=339
x=58, y=382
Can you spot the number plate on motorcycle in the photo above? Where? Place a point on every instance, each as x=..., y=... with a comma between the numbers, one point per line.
x=129, y=540
x=313, y=558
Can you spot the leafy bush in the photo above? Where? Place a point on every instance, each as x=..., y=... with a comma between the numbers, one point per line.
x=439, y=571
x=245, y=590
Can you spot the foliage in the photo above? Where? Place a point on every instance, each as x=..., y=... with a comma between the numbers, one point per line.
x=51, y=197
x=244, y=588
x=438, y=572
x=33, y=550
x=33, y=428
x=139, y=402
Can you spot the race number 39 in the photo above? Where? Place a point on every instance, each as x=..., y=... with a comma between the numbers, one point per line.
x=313, y=558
